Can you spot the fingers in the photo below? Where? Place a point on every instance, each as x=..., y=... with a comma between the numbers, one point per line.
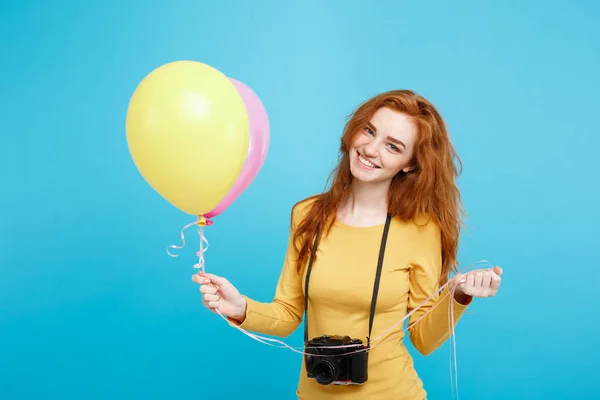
x=478, y=280
x=211, y=301
x=495, y=284
x=217, y=291
x=208, y=289
x=205, y=278
x=466, y=283
x=211, y=305
x=486, y=283
x=459, y=280
x=498, y=270
x=200, y=279
x=470, y=283
x=211, y=297
x=482, y=283
x=227, y=289
x=215, y=279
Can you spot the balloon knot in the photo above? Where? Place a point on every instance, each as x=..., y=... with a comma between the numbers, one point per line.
x=203, y=221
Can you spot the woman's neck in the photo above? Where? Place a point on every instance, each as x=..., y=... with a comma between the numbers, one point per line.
x=365, y=205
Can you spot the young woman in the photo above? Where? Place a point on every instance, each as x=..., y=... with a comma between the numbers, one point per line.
x=386, y=236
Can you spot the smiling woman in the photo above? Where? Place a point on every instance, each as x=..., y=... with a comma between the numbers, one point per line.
x=376, y=247
x=386, y=147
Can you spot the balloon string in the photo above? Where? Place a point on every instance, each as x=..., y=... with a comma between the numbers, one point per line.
x=269, y=341
x=202, y=250
x=441, y=289
x=453, y=366
x=203, y=240
x=380, y=337
x=453, y=361
x=183, y=242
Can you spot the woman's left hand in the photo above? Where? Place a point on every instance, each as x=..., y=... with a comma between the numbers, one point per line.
x=477, y=283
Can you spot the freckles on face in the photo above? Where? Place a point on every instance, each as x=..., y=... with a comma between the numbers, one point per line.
x=385, y=144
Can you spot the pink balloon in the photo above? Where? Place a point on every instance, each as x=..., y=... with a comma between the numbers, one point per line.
x=257, y=150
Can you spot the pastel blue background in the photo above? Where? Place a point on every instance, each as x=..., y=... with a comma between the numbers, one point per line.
x=91, y=306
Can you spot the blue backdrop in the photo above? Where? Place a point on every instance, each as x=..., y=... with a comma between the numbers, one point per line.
x=92, y=307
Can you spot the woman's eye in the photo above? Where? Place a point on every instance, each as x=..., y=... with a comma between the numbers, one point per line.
x=369, y=130
x=394, y=148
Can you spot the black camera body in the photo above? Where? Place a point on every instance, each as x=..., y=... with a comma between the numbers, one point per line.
x=329, y=363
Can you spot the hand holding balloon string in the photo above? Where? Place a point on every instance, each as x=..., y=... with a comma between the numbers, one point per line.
x=223, y=298
x=220, y=296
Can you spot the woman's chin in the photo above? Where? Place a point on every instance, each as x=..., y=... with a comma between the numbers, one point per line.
x=364, y=176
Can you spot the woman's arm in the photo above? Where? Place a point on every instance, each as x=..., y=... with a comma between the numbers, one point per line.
x=429, y=326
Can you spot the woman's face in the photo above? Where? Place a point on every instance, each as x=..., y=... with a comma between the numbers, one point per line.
x=384, y=147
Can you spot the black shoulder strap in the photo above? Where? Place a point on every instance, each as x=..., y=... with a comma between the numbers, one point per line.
x=310, y=263
x=375, y=286
x=386, y=229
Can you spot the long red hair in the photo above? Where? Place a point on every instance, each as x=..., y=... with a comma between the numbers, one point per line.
x=428, y=189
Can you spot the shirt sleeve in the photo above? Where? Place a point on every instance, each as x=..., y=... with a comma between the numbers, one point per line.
x=283, y=314
x=432, y=318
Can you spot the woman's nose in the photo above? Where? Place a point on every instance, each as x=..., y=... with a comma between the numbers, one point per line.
x=371, y=149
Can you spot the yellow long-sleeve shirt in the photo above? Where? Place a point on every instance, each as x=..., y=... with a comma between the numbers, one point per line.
x=340, y=291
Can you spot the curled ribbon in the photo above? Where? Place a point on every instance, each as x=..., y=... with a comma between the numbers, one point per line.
x=201, y=223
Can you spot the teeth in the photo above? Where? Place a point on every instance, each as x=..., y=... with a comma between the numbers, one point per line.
x=366, y=162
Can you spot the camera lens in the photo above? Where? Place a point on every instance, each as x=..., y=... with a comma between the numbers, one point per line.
x=325, y=371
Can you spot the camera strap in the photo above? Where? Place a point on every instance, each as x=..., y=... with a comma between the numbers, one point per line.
x=375, y=286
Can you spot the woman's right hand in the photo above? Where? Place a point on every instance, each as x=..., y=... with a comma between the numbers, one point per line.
x=220, y=295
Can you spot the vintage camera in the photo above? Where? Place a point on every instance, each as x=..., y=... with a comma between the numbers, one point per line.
x=329, y=363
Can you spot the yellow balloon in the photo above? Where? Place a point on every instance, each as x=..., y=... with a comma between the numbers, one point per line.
x=188, y=133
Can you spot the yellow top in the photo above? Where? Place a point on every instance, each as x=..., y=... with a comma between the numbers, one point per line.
x=340, y=291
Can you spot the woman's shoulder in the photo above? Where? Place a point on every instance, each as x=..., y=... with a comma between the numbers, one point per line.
x=302, y=207
x=422, y=225
x=425, y=221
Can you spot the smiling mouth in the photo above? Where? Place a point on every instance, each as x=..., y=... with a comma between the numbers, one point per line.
x=366, y=162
